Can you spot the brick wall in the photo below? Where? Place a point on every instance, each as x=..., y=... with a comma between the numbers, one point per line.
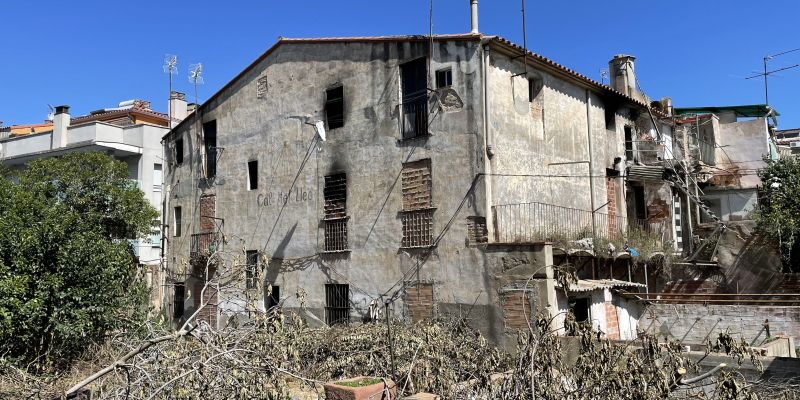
x=693, y=323
x=419, y=300
x=611, y=193
x=612, y=321
x=209, y=312
x=516, y=309
x=208, y=209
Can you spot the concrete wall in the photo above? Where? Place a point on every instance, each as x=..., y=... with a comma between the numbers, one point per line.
x=695, y=323
x=741, y=147
x=282, y=219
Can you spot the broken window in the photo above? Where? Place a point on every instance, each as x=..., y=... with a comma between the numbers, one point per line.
x=210, y=146
x=177, y=221
x=611, y=118
x=628, y=143
x=335, y=194
x=273, y=296
x=334, y=107
x=417, y=214
x=252, y=175
x=639, y=202
x=179, y=151
x=535, y=86
x=251, y=269
x=414, y=88
x=337, y=304
x=178, y=298
x=476, y=230
x=444, y=78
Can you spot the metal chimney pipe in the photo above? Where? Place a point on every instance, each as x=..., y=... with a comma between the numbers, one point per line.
x=474, y=14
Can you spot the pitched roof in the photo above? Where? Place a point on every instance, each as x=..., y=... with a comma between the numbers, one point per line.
x=492, y=39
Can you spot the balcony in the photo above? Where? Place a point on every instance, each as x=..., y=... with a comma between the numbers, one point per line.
x=538, y=222
x=415, y=117
x=203, y=245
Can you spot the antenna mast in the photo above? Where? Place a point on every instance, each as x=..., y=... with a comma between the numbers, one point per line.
x=766, y=73
x=170, y=68
x=196, y=78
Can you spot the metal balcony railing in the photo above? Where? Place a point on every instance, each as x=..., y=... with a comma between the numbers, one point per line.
x=535, y=222
x=415, y=117
x=204, y=244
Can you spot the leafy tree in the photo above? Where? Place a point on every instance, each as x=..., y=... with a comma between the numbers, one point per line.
x=67, y=271
x=779, y=211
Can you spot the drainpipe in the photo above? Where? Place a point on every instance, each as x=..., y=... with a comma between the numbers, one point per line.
x=488, y=150
x=591, y=163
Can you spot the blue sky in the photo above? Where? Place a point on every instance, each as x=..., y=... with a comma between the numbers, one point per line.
x=93, y=54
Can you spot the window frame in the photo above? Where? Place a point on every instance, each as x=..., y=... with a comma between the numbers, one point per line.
x=177, y=221
x=251, y=269
x=252, y=175
x=334, y=104
x=447, y=74
x=178, y=151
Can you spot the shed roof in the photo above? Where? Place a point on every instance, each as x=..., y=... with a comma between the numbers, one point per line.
x=588, y=285
x=752, y=110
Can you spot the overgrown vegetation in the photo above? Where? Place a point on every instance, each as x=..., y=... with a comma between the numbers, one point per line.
x=67, y=272
x=778, y=212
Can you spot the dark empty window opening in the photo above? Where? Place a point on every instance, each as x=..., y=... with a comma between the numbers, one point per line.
x=251, y=269
x=179, y=151
x=476, y=230
x=417, y=215
x=628, y=143
x=444, y=78
x=580, y=309
x=335, y=194
x=177, y=221
x=272, y=296
x=639, y=202
x=252, y=175
x=337, y=304
x=534, y=89
x=334, y=107
x=611, y=118
x=414, y=89
x=210, y=147
x=178, y=298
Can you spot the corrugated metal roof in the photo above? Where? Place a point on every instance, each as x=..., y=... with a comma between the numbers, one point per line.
x=588, y=285
x=751, y=110
x=646, y=173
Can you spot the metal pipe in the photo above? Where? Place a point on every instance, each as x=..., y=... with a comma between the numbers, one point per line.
x=488, y=150
x=591, y=164
x=474, y=15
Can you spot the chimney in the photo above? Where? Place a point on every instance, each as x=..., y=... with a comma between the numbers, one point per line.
x=177, y=105
x=623, y=76
x=474, y=14
x=60, y=125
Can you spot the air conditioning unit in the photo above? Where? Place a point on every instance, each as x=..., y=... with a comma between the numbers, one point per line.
x=794, y=145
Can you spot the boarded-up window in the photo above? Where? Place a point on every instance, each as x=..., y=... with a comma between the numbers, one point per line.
x=262, y=86
x=516, y=310
x=416, y=185
x=335, y=194
x=208, y=208
x=417, y=214
x=337, y=304
x=419, y=300
x=476, y=230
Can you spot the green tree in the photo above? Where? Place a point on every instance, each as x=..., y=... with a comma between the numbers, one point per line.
x=67, y=271
x=779, y=211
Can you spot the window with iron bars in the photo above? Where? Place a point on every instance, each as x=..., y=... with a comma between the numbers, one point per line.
x=417, y=214
x=337, y=304
x=251, y=269
x=336, y=218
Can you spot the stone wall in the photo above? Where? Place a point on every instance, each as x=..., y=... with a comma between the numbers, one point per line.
x=695, y=323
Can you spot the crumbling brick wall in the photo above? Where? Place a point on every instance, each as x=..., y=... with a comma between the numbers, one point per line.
x=208, y=209
x=612, y=321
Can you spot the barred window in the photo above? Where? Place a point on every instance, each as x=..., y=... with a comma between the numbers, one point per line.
x=476, y=230
x=251, y=269
x=335, y=194
x=337, y=304
x=417, y=214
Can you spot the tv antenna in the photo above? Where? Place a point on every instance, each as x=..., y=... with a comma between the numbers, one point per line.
x=170, y=68
x=196, y=78
x=766, y=73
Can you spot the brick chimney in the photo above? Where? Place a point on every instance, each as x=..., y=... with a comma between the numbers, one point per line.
x=61, y=121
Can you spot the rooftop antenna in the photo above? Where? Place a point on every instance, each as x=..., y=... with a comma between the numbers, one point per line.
x=196, y=78
x=603, y=75
x=766, y=73
x=170, y=68
x=524, y=45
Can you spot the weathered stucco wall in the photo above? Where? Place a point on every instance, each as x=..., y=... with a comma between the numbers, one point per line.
x=741, y=147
